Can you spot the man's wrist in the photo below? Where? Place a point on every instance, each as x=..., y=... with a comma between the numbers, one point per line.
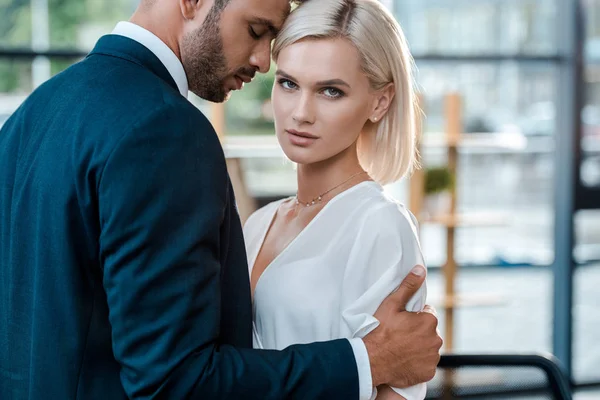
x=365, y=384
x=373, y=352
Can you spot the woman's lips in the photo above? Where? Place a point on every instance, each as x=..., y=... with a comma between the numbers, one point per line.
x=302, y=139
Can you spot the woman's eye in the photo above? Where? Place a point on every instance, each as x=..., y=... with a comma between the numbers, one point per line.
x=333, y=92
x=287, y=84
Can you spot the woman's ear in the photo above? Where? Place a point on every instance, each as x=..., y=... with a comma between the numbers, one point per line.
x=383, y=100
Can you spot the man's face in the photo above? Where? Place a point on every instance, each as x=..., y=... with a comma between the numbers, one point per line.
x=231, y=45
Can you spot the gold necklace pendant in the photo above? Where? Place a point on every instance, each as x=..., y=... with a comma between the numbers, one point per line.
x=319, y=198
x=312, y=203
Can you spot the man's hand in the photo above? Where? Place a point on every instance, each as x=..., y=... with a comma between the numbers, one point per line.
x=404, y=349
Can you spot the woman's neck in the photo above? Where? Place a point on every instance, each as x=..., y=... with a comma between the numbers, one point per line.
x=318, y=178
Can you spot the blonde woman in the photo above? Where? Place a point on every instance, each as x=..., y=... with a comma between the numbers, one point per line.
x=322, y=261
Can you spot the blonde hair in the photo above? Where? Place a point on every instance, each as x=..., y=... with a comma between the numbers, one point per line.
x=390, y=153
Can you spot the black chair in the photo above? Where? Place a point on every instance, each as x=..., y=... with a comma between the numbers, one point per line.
x=502, y=376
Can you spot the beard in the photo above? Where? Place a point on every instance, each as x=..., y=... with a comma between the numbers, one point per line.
x=204, y=61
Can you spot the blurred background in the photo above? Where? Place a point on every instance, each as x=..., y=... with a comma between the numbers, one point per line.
x=509, y=197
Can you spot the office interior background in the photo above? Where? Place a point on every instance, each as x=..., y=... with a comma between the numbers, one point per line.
x=520, y=79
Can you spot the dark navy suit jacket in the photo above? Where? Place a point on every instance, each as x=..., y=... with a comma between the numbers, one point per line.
x=122, y=265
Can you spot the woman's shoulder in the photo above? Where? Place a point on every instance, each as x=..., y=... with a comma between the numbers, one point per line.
x=385, y=239
x=384, y=213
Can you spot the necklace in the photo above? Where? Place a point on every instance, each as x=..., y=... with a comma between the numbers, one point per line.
x=319, y=198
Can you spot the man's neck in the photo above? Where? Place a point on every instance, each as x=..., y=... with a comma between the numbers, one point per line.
x=144, y=18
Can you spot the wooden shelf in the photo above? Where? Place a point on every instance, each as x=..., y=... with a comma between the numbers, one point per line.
x=469, y=300
x=476, y=219
x=455, y=143
x=493, y=140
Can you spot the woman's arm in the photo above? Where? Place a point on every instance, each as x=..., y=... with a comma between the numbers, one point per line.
x=385, y=250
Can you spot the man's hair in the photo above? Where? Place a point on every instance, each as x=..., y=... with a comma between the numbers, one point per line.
x=219, y=4
x=223, y=3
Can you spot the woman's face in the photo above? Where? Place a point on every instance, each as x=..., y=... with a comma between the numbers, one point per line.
x=321, y=99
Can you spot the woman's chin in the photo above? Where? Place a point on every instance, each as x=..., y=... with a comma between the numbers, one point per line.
x=300, y=160
x=298, y=156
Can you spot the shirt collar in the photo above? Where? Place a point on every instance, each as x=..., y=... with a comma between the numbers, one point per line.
x=160, y=50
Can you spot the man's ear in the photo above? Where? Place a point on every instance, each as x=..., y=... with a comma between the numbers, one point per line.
x=189, y=8
x=383, y=100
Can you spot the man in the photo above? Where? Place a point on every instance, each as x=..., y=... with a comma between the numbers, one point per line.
x=123, y=271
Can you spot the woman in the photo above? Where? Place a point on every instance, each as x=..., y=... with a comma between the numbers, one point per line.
x=322, y=261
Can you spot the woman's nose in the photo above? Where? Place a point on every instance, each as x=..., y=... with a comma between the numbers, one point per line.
x=304, y=110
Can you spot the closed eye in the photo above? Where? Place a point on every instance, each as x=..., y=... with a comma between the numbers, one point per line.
x=253, y=33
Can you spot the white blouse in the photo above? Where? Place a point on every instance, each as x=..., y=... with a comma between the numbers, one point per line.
x=329, y=281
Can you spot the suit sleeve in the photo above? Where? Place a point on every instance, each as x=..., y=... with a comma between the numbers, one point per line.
x=161, y=198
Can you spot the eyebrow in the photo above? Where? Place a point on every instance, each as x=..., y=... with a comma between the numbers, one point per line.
x=327, y=82
x=267, y=22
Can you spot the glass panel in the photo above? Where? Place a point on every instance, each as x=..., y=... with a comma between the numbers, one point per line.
x=504, y=310
x=77, y=24
x=15, y=76
x=592, y=21
x=586, y=319
x=479, y=27
x=59, y=23
x=15, y=85
x=590, y=116
x=15, y=23
x=510, y=109
x=505, y=176
x=590, y=144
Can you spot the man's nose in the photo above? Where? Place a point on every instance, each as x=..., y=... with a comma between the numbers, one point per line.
x=261, y=57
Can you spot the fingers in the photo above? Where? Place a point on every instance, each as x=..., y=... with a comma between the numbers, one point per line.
x=433, y=323
x=432, y=319
x=429, y=309
x=409, y=287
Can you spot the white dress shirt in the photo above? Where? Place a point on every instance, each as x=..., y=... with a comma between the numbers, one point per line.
x=160, y=50
x=329, y=281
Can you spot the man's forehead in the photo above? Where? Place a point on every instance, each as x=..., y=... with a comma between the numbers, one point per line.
x=275, y=11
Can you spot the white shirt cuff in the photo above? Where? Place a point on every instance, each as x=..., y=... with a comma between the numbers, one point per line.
x=365, y=380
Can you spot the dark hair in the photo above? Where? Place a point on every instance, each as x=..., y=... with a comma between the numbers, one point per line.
x=220, y=4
